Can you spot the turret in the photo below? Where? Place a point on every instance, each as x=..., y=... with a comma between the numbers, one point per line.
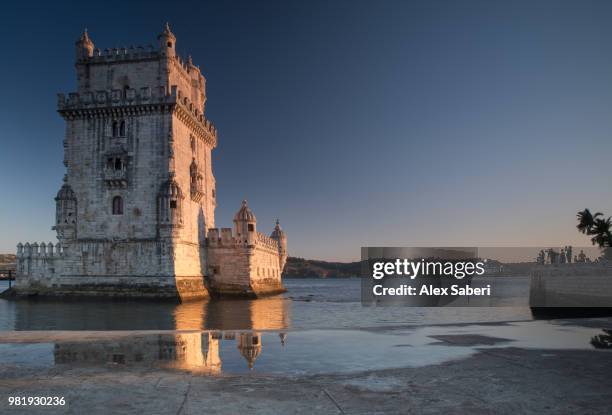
x=249, y=345
x=84, y=47
x=279, y=235
x=65, y=214
x=245, y=224
x=167, y=42
x=169, y=207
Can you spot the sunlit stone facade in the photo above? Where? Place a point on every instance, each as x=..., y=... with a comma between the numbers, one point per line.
x=136, y=213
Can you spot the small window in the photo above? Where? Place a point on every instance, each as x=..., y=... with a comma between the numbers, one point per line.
x=173, y=204
x=122, y=129
x=118, y=164
x=117, y=205
x=115, y=129
x=214, y=193
x=169, y=44
x=251, y=227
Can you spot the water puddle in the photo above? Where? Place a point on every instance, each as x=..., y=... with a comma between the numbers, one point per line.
x=285, y=353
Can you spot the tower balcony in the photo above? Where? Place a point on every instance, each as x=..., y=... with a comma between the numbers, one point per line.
x=196, y=193
x=116, y=178
x=197, y=187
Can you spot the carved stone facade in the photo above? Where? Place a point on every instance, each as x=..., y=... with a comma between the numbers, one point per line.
x=136, y=213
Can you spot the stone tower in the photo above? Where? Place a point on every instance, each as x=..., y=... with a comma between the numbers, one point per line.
x=138, y=199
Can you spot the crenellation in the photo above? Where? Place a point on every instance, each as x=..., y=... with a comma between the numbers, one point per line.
x=122, y=54
x=35, y=249
x=133, y=101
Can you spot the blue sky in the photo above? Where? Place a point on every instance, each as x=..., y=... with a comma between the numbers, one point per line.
x=364, y=123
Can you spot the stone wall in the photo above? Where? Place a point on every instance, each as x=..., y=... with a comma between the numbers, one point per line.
x=571, y=285
x=239, y=268
x=119, y=269
x=265, y=271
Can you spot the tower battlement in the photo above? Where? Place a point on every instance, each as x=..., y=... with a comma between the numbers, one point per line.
x=39, y=250
x=117, y=102
x=120, y=54
x=227, y=239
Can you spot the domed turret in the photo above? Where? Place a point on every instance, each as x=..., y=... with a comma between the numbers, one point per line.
x=65, y=213
x=84, y=47
x=65, y=193
x=167, y=42
x=171, y=189
x=278, y=232
x=245, y=224
x=279, y=235
x=249, y=345
x=245, y=213
x=170, y=202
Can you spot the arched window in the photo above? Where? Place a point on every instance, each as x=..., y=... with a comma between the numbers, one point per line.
x=122, y=129
x=117, y=205
x=118, y=164
x=115, y=129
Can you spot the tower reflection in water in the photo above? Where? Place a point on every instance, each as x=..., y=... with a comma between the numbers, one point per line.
x=236, y=322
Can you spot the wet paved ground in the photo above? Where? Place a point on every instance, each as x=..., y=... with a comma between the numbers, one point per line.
x=527, y=367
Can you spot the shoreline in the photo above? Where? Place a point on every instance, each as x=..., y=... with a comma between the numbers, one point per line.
x=547, y=380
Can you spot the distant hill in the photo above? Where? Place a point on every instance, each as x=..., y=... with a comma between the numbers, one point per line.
x=7, y=263
x=7, y=259
x=300, y=267
x=296, y=267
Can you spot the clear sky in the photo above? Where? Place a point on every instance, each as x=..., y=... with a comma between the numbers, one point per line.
x=356, y=123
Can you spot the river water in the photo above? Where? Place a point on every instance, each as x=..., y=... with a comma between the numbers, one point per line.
x=308, y=304
x=318, y=326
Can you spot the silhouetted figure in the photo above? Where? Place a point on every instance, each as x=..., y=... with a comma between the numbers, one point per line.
x=553, y=256
x=541, y=257
x=568, y=254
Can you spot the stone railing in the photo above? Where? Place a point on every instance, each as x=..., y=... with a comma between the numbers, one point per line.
x=116, y=178
x=227, y=239
x=267, y=241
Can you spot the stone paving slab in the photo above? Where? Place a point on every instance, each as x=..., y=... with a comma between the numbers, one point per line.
x=500, y=381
